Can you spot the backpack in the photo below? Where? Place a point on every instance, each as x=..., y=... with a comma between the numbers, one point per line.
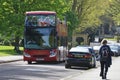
x=104, y=53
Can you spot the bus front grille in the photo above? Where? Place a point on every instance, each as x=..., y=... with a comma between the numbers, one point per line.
x=39, y=56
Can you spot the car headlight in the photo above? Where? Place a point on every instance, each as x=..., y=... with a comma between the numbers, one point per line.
x=26, y=54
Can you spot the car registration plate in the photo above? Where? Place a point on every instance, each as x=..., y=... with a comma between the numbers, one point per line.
x=39, y=59
x=79, y=56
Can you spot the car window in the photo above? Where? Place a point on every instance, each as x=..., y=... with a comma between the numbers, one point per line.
x=82, y=49
x=79, y=50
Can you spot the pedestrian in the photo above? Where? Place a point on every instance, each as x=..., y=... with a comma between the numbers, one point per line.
x=105, y=58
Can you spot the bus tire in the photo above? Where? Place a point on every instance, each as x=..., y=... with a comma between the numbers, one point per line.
x=29, y=62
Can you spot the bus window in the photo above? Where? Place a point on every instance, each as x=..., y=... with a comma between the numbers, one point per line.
x=40, y=20
x=40, y=38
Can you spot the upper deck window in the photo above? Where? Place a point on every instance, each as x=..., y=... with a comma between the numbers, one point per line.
x=40, y=20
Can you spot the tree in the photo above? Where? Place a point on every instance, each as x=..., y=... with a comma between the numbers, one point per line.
x=114, y=11
x=72, y=22
x=88, y=12
x=12, y=15
x=80, y=14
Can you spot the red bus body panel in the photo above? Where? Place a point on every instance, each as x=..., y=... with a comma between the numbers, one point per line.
x=38, y=55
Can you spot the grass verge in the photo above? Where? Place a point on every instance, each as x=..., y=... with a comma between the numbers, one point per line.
x=7, y=51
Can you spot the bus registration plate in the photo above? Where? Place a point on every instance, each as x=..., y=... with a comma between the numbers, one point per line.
x=39, y=59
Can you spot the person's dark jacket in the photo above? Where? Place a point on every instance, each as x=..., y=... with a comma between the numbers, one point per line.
x=109, y=59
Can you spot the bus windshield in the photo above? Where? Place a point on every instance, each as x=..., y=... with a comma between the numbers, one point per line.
x=40, y=38
x=40, y=20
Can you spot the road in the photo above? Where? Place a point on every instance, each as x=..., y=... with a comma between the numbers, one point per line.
x=20, y=70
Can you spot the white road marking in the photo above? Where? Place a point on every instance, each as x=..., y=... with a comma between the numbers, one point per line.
x=41, y=70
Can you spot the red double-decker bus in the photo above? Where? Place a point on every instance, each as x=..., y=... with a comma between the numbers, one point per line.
x=45, y=37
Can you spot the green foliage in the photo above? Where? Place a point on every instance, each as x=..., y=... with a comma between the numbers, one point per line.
x=12, y=13
x=72, y=21
x=80, y=14
x=114, y=10
x=89, y=11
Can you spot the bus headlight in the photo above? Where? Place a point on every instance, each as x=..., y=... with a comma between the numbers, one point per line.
x=52, y=54
x=26, y=54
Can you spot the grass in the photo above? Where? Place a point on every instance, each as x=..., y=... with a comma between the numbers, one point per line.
x=111, y=39
x=7, y=51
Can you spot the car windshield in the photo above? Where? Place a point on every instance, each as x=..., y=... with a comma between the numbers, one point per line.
x=40, y=38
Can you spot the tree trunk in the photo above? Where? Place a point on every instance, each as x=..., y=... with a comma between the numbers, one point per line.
x=74, y=5
x=16, y=44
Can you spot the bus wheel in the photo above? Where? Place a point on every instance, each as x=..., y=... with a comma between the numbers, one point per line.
x=29, y=62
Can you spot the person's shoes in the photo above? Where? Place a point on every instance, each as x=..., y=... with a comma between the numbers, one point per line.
x=104, y=77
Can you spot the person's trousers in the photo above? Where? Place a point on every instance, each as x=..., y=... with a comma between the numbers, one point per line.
x=104, y=68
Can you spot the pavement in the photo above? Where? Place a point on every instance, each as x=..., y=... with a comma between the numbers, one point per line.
x=5, y=59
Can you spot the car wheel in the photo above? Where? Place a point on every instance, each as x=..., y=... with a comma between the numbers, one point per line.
x=94, y=65
x=89, y=66
x=67, y=66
